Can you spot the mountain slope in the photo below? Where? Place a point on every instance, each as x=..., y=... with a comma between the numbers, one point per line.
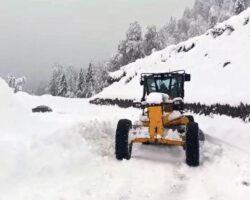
x=218, y=62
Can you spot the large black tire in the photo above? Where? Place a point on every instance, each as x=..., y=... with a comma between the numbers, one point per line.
x=192, y=145
x=123, y=148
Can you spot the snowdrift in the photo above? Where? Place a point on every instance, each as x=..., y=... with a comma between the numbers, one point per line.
x=9, y=104
x=218, y=62
x=6, y=95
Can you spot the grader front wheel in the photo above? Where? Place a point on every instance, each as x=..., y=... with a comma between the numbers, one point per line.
x=123, y=147
x=192, y=145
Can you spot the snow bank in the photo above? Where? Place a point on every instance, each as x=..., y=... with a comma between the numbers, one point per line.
x=6, y=96
x=218, y=62
x=9, y=105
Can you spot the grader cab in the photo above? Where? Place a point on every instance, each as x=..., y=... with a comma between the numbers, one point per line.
x=162, y=120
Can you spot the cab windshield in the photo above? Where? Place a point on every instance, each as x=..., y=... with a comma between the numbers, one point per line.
x=168, y=85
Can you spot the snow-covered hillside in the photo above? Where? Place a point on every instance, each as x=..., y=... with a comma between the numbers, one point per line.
x=218, y=62
x=69, y=154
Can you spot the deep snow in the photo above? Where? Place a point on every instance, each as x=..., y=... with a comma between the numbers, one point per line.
x=69, y=154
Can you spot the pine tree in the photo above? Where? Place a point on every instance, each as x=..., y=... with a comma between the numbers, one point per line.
x=19, y=82
x=186, y=14
x=11, y=81
x=182, y=30
x=55, y=80
x=168, y=33
x=151, y=40
x=80, y=84
x=63, y=87
x=131, y=48
x=71, y=77
x=115, y=62
x=90, y=82
x=53, y=86
x=134, y=32
x=101, y=78
x=16, y=83
x=239, y=6
x=213, y=16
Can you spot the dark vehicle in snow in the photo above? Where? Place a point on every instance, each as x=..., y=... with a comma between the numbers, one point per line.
x=42, y=108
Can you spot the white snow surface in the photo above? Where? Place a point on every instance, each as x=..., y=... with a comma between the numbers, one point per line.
x=210, y=81
x=69, y=155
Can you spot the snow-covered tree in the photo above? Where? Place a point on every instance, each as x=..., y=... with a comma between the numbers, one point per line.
x=90, y=82
x=63, y=87
x=213, y=16
x=16, y=83
x=101, y=77
x=55, y=79
x=19, y=84
x=151, y=40
x=80, y=84
x=168, y=33
x=134, y=32
x=115, y=62
x=131, y=48
x=239, y=6
x=11, y=81
x=182, y=30
x=130, y=51
x=71, y=77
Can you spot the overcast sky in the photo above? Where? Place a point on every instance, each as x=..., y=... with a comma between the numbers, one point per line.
x=35, y=34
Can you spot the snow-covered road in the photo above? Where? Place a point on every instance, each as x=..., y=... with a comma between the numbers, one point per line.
x=68, y=155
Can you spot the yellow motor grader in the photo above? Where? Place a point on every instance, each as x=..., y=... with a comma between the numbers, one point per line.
x=162, y=120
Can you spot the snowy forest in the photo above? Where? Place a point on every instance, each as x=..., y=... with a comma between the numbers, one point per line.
x=84, y=83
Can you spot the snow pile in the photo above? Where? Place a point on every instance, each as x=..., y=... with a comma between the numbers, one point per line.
x=218, y=62
x=9, y=105
x=6, y=95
